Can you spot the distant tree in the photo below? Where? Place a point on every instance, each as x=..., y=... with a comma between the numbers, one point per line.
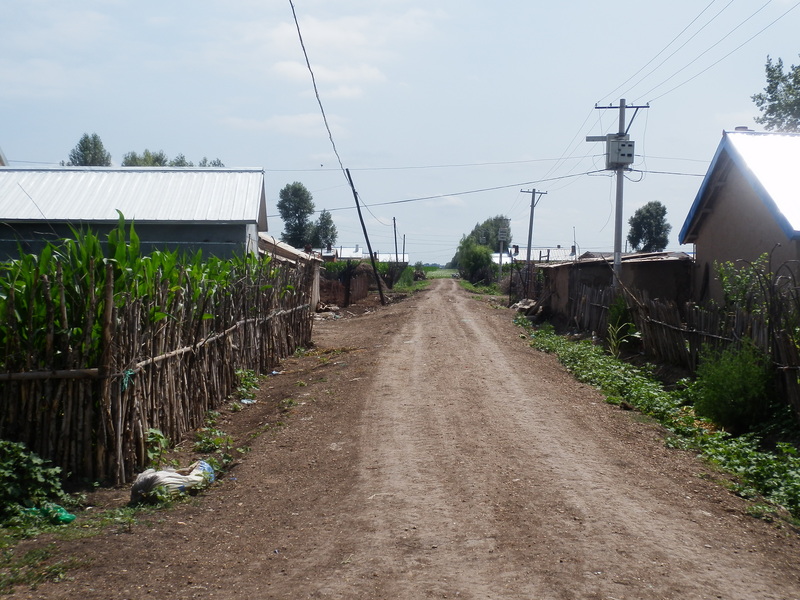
x=159, y=159
x=649, y=230
x=323, y=232
x=180, y=161
x=486, y=234
x=217, y=163
x=145, y=159
x=474, y=260
x=295, y=206
x=780, y=102
x=89, y=152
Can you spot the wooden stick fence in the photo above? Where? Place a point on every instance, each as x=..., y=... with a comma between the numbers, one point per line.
x=163, y=373
x=677, y=336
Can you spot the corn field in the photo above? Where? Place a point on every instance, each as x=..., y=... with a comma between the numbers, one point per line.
x=99, y=344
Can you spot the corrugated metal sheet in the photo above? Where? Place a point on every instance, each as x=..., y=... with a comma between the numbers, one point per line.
x=768, y=161
x=773, y=159
x=141, y=194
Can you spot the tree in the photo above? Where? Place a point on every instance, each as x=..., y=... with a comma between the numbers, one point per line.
x=486, y=234
x=780, y=102
x=89, y=152
x=180, y=161
x=295, y=206
x=210, y=163
x=323, y=231
x=159, y=159
x=649, y=230
x=146, y=159
x=474, y=260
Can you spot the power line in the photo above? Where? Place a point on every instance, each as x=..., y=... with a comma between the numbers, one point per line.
x=747, y=41
x=660, y=52
x=476, y=191
x=420, y=167
x=325, y=117
x=316, y=90
x=714, y=45
x=679, y=48
x=646, y=171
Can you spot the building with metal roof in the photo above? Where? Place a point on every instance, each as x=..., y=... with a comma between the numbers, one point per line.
x=748, y=204
x=219, y=211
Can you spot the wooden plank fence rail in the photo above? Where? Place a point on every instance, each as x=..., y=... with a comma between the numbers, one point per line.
x=165, y=362
x=678, y=335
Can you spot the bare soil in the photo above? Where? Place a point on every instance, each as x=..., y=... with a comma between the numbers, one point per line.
x=429, y=452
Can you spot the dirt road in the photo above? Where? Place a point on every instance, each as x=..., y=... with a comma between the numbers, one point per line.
x=431, y=453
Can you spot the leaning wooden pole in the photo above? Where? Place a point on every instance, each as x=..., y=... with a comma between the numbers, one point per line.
x=366, y=237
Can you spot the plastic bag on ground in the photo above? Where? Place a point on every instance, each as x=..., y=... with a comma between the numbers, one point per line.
x=176, y=482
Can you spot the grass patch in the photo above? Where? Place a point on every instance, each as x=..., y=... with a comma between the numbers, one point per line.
x=33, y=567
x=434, y=273
x=491, y=289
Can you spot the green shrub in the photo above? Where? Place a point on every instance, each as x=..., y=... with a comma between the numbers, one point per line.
x=27, y=479
x=733, y=388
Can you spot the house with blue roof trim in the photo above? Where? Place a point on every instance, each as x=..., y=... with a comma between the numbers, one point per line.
x=748, y=204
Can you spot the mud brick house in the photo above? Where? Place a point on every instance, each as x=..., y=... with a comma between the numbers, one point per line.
x=220, y=211
x=748, y=204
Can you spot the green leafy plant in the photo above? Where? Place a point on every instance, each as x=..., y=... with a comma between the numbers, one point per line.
x=287, y=404
x=617, y=336
x=734, y=387
x=248, y=381
x=211, y=439
x=157, y=446
x=28, y=481
x=621, y=329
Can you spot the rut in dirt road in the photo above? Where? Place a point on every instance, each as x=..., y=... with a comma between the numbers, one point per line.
x=485, y=472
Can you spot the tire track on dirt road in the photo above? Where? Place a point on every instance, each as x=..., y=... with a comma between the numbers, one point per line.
x=483, y=477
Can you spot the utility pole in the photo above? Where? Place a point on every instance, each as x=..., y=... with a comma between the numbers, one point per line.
x=394, y=222
x=619, y=155
x=378, y=281
x=502, y=236
x=534, y=202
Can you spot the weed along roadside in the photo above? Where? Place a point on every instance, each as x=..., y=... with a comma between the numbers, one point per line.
x=771, y=478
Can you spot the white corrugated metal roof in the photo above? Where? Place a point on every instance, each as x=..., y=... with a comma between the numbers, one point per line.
x=773, y=159
x=141, y=193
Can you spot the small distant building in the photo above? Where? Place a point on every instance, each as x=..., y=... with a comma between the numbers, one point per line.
x=519, y=254
x=219, y=211
x=359, y=253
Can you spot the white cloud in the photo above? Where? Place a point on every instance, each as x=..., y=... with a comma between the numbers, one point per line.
x=42, y=78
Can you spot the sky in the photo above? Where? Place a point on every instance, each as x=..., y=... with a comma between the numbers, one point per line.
x=443, y=112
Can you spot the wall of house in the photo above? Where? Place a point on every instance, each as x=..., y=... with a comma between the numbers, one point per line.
x=739, y=227
x=214, y=239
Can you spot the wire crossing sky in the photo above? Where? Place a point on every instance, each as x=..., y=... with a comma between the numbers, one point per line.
x=441, y=112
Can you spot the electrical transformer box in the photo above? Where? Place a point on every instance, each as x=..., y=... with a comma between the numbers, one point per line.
x=619, y=153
